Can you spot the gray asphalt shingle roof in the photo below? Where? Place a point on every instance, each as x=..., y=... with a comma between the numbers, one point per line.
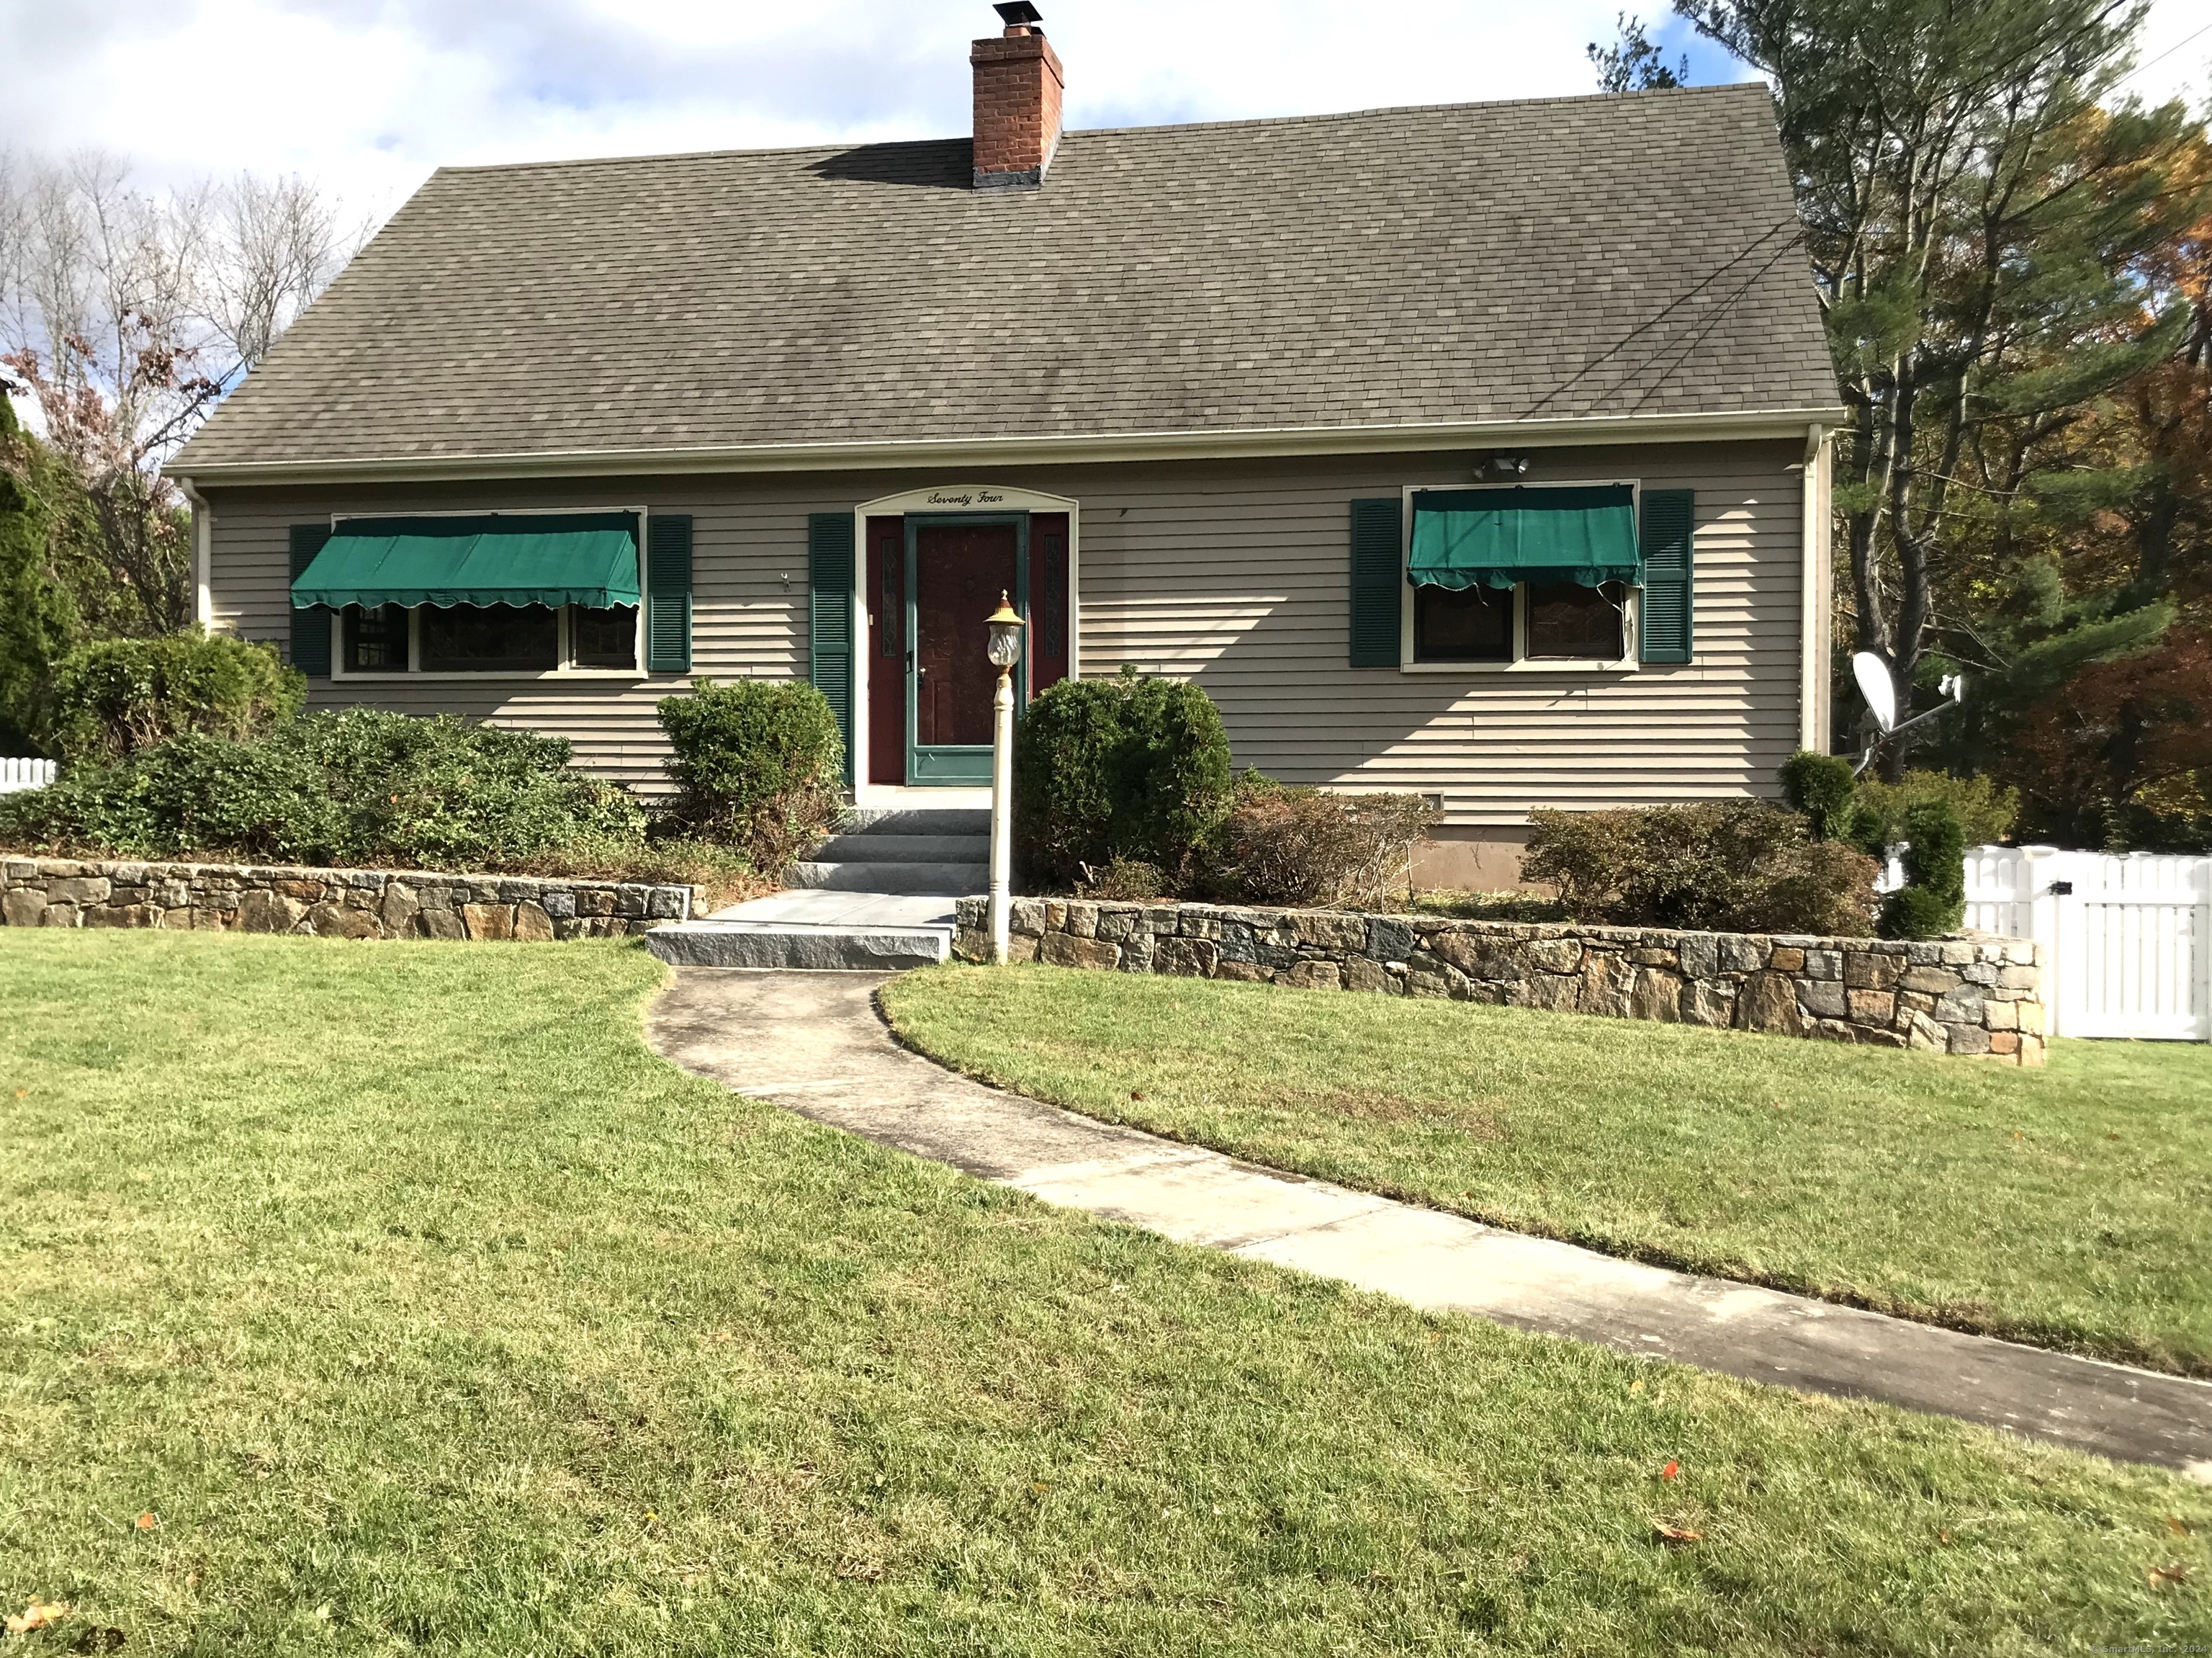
x=1541, y=260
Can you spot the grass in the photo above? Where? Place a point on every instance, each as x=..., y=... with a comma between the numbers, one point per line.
x=2069, y=1206
x=393, y=1298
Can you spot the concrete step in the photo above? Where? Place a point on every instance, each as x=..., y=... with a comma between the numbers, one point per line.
x=797, y=945
x=903, y=849
x=851, y=876
x=916, y=820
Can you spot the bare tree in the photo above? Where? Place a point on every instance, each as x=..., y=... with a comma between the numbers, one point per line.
x=131, y=315
x=276, y=243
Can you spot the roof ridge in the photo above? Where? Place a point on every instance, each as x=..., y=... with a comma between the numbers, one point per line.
x=1318, y=118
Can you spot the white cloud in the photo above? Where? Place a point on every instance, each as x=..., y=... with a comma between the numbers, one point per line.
x=368, y=95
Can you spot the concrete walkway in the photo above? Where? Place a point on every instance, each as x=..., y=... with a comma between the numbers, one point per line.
x=814, y=1043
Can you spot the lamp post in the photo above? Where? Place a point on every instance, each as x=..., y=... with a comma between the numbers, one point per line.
x=1006, y=649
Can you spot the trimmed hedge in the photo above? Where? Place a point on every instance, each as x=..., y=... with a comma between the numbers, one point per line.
x=363, y=787
x=758, y=763
x=1825, y=789
x=1933, y=901
x=1129, y=768
x=112, y=697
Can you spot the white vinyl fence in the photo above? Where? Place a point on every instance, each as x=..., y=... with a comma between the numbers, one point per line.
x=16, y=775
x=2127, y=941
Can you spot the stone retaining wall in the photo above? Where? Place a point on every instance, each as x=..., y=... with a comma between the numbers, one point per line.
x=1971, y=995
x=334, y=903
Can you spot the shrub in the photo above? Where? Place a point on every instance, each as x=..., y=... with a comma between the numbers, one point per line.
x=757, y=763
x=1128, y=767
x=445, y=794
x=114, y=696
x=1737, y=866
x=1824, y=788
x=1124, y=880
x=1933, y=901
x=1823, y=887
x=356, y=788
x=1986, y=810
x=188, y=794
x=1308, y=846
x=1916, y=912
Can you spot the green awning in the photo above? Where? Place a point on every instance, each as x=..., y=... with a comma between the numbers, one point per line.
x=505, y=558
x=1499, y=537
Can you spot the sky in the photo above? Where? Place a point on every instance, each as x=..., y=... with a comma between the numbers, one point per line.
x=368, y=96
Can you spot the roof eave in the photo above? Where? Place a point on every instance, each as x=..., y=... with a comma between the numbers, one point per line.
x=1034, y=450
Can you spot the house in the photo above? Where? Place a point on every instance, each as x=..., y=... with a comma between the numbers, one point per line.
x=1477, y=450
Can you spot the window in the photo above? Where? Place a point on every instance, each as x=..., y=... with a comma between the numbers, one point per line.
x=490, y=639
x=1509, y=576
x=515, y=593
x=376, y=639
x=603, y=638
x=1469, y=624
x=487, y=638
x=1567, y=619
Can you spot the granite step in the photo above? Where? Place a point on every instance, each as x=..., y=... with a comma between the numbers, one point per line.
x=879, y=847
x=953, y=880
x=785, y=944
x=916, y=820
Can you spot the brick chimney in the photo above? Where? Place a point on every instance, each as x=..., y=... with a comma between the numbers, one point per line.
x=1018, y=90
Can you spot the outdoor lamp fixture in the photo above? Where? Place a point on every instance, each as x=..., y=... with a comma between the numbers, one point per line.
x=1006, y=649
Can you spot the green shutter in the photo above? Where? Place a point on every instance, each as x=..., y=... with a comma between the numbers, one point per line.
x=668, y=593
x=1665, y=625
x=830, y=616
x=1377, y=582
x=311, y=623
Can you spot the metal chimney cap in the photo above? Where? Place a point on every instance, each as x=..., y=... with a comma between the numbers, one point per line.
x=1017, y=12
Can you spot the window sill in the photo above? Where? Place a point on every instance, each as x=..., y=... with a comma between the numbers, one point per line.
x=626, y=675
x=1526, y=665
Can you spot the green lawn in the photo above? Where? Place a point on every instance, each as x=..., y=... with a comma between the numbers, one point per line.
x=2070, y=1206
x=388, y=1298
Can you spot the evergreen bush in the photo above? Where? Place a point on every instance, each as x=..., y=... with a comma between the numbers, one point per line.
x=1824, y=789
x=38, y=619
x=114, y=696
x=359, y=788
x=1933, y=901
x=757, y=763
x=1130, y=767
x=1986, y=809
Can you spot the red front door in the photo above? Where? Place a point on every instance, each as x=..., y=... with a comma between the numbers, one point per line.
x=932, y=657
x=960, y=572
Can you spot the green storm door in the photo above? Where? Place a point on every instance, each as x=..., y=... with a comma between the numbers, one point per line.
x=956, y=565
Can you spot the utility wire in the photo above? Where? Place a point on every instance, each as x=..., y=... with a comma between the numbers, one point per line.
x=2161, y=58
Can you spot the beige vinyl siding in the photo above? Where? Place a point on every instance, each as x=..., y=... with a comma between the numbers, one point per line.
x=1230, y=574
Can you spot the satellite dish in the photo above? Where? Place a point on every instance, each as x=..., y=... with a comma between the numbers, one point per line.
x=1873, y=675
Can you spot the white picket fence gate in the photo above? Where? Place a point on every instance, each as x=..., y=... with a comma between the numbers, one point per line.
x=2127, y=941
x=16, y=775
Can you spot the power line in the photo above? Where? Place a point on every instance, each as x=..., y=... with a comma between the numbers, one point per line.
x=2161, y=58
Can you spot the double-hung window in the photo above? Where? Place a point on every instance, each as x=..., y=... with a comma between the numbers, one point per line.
x=512, y=593
x=1510, y=574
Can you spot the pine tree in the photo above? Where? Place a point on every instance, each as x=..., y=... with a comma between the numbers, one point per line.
x=1978, y=226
